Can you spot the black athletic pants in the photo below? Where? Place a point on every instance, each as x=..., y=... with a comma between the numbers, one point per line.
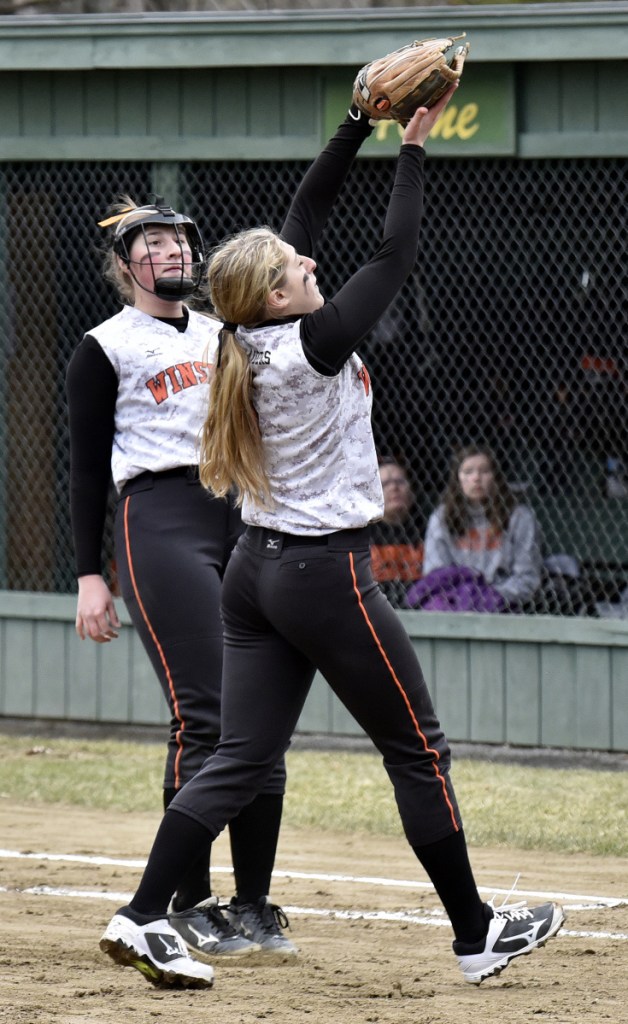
x=290, y=606
x=173, y=542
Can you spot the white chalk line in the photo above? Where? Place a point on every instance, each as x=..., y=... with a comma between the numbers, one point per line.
x=586, y=902
x=434, y=918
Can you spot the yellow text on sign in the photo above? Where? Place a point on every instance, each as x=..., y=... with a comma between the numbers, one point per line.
x=454, y=124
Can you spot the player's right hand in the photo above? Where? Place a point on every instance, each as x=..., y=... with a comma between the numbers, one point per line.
x=96, y=615
x=421, y=124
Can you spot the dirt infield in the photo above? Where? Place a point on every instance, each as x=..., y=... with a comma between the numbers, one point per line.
x=351, y=970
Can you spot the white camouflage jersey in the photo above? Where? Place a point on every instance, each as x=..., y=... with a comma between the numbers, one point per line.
x=318, y=440
x=162, y=391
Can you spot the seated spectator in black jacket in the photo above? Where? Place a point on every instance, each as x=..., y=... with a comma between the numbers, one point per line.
x=397, y=539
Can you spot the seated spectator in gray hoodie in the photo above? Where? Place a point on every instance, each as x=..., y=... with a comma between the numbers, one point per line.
x=482, y=546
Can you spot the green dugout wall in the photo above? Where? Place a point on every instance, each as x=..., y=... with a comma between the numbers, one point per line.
x=546, y=80
x=542, y=79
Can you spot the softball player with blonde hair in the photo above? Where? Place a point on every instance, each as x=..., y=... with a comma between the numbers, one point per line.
x=289, y=425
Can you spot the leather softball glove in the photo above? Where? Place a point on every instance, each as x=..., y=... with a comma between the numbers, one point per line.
x=417, y=75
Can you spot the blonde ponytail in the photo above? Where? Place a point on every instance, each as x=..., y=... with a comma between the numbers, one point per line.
x=242, y=272
x=231, y=452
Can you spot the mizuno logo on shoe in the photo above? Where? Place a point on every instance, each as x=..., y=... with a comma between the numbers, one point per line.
x=514, y=935
x=202, y=940
x=164, y=947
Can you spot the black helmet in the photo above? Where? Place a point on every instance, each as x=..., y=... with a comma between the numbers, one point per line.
x=134, y=221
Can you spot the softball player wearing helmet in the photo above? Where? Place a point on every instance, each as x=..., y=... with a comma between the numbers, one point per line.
x=137, y=395
x=298, y=592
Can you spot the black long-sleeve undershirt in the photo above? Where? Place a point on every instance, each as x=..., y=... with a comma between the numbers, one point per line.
x=317, y=193
x=92, y=390
x=331, y=334
x=92, y=394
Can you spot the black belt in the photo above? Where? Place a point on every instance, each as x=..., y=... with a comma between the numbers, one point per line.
x=146, y=479
x=272, y=542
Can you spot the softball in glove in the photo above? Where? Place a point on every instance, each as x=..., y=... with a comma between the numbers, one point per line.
x=392, y=87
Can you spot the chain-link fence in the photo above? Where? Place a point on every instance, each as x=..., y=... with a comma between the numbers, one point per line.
x=511, y=332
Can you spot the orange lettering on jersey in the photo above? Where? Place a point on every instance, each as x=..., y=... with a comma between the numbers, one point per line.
x=202, y=370
x=188, y=377
x=174, y=380
x=480, y=540
x=363, y=375
x=157, y=387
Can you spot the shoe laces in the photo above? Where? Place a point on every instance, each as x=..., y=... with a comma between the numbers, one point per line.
x=214, y=916
x=514, y=911
x=273, y=918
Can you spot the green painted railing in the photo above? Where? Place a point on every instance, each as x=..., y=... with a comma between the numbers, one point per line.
x=519, y=680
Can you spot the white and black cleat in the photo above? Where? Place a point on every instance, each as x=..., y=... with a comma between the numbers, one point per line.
x=156, y=950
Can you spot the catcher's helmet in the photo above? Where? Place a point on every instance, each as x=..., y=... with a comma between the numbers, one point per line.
x=134, y=221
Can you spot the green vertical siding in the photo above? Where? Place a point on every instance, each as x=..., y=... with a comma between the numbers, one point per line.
x=494, y=679
x=558, y=705
x=193, y=113
x=19, y=667
x=487, y=698
x=452, y=683
x=522, y=693
x=592, y=686
x=83, y=668
x=533, y=109
x=618, y=709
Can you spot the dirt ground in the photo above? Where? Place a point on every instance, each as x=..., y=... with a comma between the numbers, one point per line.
x=351, y=969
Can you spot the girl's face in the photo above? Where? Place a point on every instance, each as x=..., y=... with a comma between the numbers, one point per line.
x=161, y=253
x=476, y=478
x=397, y=493
x=299, y=288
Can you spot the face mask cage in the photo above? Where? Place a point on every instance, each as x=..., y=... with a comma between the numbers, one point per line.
x=172, y=288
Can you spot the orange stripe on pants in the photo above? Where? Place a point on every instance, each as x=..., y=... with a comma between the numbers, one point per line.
x=162, y=656
x=399, y=685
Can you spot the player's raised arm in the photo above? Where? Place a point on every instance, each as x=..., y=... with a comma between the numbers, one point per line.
x=332, y=333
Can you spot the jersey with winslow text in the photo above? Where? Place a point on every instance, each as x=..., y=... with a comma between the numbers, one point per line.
x=162, y=389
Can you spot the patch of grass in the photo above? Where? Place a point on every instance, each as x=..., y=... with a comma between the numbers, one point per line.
x=571, y=811
x=102, y=774
x=566, y=810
